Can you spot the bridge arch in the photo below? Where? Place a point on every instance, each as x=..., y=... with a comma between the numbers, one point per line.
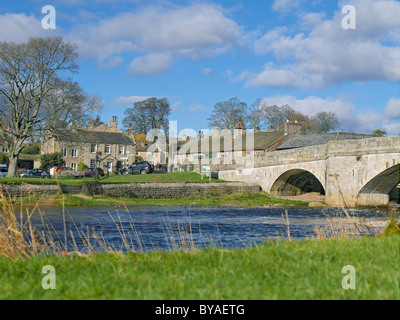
x=382, y=188
x=296, y=182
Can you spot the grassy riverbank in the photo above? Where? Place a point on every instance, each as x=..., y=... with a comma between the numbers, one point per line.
x=237, y=199
x=276, y=270
x=172, y=177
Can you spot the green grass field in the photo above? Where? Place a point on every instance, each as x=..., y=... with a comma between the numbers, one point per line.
x=276, y=270
x=172, y=177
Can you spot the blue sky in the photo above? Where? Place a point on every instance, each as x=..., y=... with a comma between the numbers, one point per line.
x=198, y=53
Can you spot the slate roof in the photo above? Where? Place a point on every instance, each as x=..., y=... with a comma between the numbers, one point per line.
x=262, y=141
x=320, y=139
x=96, y=137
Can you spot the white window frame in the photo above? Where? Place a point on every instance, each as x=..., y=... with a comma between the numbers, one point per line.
x=74, y=154
x=64, y=152
x=109, y=149
x=74, y=166
x=123, y=149
x=95, y=148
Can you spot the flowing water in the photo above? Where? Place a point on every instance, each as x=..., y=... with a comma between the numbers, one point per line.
x=144, y=228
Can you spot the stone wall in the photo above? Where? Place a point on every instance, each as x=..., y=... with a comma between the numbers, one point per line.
x=140, y=190
x=176, y=190
x=26, y=190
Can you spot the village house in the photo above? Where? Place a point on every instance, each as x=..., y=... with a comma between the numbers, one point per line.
x=226, y=146
x=113, y=148
x=154, y=153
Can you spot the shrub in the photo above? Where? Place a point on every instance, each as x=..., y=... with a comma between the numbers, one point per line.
x=4, y=159
x=92, y=188
x=51, y=159
x=81, y=166
x=32, y=149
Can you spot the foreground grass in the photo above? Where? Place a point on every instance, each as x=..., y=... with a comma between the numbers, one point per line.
x=276, y=270
x=236, y=199
x=172, y=177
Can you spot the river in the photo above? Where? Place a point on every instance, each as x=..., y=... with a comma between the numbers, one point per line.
x=145, y=228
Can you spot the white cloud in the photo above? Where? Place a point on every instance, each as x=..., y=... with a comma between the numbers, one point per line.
x=328, y=54
x=392, y=109
x=312, y=105
x=207, y=71
x=156, y=36
x=151, y=64
x=285, y=6
x=349, y=118
x=129, y=100
x=195, y=108
x=18, y=27
x=272, y=77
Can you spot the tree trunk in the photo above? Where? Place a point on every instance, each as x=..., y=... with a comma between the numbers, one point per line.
x=12, y=166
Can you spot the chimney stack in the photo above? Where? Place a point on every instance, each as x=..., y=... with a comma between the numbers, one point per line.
x=130, y=129
x=113, y=122
x=240, y=129
x=291, y=128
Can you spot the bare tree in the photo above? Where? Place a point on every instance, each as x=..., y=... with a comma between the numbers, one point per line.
x=34, y=97
x=227, y=114
x=326, y=121
x=254, y=116
x=276, y=115
x=308, y=125
x=149, y=114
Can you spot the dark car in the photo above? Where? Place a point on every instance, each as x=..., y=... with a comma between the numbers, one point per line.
x=35, y=173
x=142, y=167
x=91, y=172
x=3, y=172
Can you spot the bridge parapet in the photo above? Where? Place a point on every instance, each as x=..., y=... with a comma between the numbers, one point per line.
x=364, y=146
x=334, y=148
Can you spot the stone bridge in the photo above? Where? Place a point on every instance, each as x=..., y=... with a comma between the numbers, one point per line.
x=347, y=172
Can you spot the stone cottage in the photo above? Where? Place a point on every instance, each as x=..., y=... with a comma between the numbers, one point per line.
x=113, y=148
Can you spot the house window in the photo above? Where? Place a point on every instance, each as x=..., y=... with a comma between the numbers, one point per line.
x=74, y=153
x=93, y=148
x=92, y=163
x=121, y=149
x=4, y=150
x=107, y=149
x=74, y=166
x=63, y=152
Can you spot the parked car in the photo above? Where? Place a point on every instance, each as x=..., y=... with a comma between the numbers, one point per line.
x=35, y=173
x=142, y=167
x=91, y=172
x=63, y=169
x=3, y=172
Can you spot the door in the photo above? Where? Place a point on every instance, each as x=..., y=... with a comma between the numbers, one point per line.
x=109, y=166
x=134, y=168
